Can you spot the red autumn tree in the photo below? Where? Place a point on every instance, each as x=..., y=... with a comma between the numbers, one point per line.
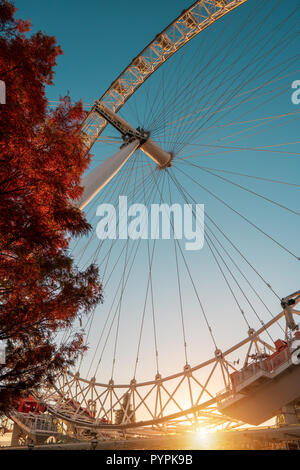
x=41, y=162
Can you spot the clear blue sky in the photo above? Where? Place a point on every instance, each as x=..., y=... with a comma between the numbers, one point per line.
x=99, y=39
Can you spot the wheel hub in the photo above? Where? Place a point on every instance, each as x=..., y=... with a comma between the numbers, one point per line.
x=130, y=134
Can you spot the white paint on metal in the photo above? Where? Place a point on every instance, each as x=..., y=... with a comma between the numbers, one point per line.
x=103, y=173
x=160, y=156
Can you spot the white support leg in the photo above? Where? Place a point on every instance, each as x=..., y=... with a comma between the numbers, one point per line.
x=100, y=176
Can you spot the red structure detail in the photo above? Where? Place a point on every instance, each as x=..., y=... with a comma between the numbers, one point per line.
x=270, y=363
x=29, y=405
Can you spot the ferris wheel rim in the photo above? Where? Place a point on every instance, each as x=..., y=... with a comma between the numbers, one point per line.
x=203, y=364
x=138, y=424
x=151, y=43
x=219, y=8
x=223, y=7
x=210, y=361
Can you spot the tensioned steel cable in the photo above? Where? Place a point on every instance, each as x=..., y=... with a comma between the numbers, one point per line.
x=152, y=295
x=149, y=284
x=205, y=66
x=107, y=190
x=103, y=288
x=230, y=123
x=222, y=71
x=243, y=256
x=124, y=188
x=244, y=188
x=241, y=215
x=260, y=178
x=210, y=106
x=127, y=278
x=210, y=242
x=251, y=149
x=119, y=312
x=113, y=241
x=264, y=63
x=249, y=110
x=195, y=290
x=232, y=107
x=241, y=272
x=263, y=126
x=93, y=316
x=108, y=255
x=179, y=290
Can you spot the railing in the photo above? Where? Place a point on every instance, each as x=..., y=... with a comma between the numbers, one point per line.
x=263, y=367
x=37, y=424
